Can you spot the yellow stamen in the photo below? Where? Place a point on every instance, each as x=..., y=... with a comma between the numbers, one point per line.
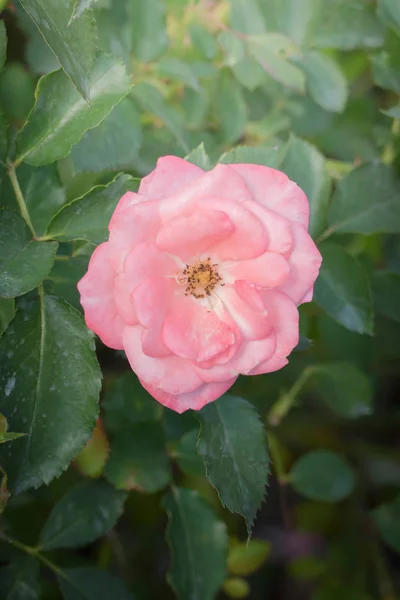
x=200, y=279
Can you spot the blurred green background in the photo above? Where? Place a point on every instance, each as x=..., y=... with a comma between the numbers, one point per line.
x=310, y=87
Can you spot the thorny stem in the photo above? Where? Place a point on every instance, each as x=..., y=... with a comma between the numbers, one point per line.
x=20, y=198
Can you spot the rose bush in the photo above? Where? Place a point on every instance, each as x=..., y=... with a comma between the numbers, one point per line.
x=201, y=278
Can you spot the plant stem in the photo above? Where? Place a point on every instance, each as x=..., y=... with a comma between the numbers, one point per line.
x=34, y=552
x=20, y=199
x=283, y=405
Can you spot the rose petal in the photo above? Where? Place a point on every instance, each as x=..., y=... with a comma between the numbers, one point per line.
x=97, y=299
x=171, y=374
x=308, y=297
x=278, y=229
x=304, y=263
x=245, y=306
x=221, y=182
x=169, y=177
x=268, y=270
x=191, y=331
x=191, y=235
x=135, y=224
x=283, y=314
x=142, y=261
x=151, y=312
x=255, y=352
x=195, y=400
x=276, y=191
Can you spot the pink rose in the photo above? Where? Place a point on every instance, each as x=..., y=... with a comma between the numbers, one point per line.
x=201, y=278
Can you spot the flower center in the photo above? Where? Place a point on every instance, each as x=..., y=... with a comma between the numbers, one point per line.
x=200, y=279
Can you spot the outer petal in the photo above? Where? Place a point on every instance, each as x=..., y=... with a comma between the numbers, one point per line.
x=246, y=308
x=221, y=182
x=279, y=230
x=130, y=226
x=308, y=297
x=191, y=235
x=208, y=392
x=170, y=374
x=304, y=262
x=276, y=191
x=97, y=299
x=170, y=175
x=284, y=315
x=268, y=270
x=191, y=331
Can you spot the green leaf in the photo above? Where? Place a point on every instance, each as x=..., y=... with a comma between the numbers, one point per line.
x=114, y=31
x=230, y=107
x=389, y=12
x=306, y=166
x=89, y=583
x=50, y=134
x=7, y=312
x=186, y=454
x=326, y=83
x=87, y=218
x=126, y=402
x=65, y=274
x=9, y=437
x=246, y=16
x=19, y=580
x=343, y=291
x=42, y=191
x=199, y=546
x=393, y=112
x=149, y=34
x=74, y=44
x=199, y=157
x=249, y=73
x=3, y=44
x=366, y=201
x=3, y=140
x=322, y=475
x=233, y=47
x=138, y=458
x=236, y=587
x=269, y=155
x=51, y=382
x=86, y=512
x=23, y=262
x=297, y=20
x=348, y=25
x=113, y=145
x=203, y=41
x=386, y=288
x=246, y=558
x=176, y=69
x=151, y=100
x=233, y=444
x=79, y=7
x=272, y=50
x=387, y=519
x=17, y=92
x=386, y=65
x=344, y=388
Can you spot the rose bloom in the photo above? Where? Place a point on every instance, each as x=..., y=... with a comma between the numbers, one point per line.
x=201, y=277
